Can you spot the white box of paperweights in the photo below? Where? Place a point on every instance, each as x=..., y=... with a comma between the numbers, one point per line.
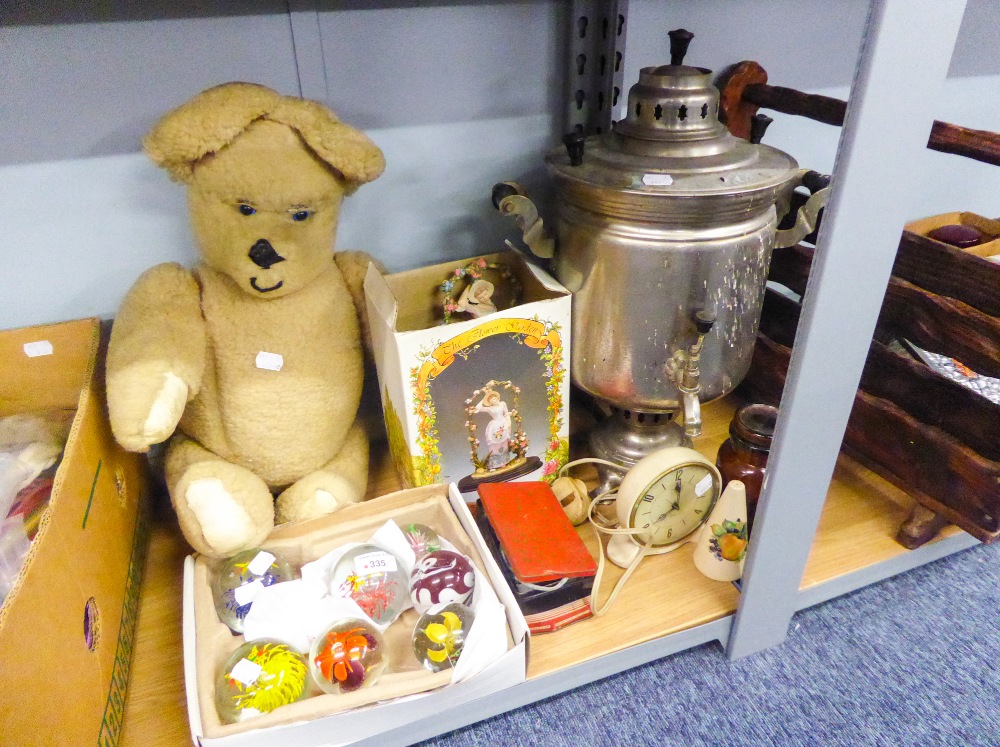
x=406, y=694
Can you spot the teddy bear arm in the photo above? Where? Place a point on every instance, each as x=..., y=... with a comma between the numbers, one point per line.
x=156, y=356
x=353, y=266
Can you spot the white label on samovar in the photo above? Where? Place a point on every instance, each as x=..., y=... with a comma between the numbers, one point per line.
x=657, y=180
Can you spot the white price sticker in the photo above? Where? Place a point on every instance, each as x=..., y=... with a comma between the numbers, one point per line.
x=37, y=348
x=703, y=486
x=657, y=180
x=246, y=672
x=248, y=592
x=374, y=562
x=270, y=361
x=261, y=562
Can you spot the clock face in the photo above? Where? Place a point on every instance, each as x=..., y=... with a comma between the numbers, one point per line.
x=675, y=503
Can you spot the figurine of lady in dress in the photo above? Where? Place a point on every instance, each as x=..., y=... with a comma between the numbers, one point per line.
x=498, y=429
x=477, y=299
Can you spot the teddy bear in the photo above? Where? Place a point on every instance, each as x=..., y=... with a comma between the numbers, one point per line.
x=251, y=363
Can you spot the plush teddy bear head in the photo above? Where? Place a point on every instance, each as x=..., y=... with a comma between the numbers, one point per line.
x=266, y=174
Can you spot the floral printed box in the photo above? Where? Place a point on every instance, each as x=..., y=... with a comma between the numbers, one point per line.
x=473, y=368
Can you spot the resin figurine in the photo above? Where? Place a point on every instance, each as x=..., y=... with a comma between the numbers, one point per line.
x=478, y=289
x=504, y=436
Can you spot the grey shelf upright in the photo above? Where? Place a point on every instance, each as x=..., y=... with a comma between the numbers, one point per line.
x=904, y=60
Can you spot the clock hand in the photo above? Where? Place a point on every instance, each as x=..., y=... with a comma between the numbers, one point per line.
x=678, y=487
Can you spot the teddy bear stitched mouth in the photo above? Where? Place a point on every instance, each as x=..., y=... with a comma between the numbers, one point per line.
x=264, y=256
x=253, y=284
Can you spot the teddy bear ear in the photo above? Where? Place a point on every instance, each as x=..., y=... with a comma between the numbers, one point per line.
x=342, y=147
x=205, y=124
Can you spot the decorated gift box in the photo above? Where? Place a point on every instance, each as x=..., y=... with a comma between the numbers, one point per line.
x=473, y=368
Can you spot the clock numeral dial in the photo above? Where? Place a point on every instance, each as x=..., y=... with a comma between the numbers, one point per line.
x=675, y=503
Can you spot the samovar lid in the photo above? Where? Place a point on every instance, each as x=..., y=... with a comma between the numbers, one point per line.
x=671, y=141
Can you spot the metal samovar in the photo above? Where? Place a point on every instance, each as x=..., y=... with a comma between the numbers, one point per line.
x=663, y=232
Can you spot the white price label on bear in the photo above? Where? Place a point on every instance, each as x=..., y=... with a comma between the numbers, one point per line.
x=270, y=361
x=37, y=348
x=374, y=562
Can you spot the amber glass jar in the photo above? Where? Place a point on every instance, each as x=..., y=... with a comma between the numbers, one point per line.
x=743, y=456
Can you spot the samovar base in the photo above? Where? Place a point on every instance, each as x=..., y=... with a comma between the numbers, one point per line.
x=626, y=436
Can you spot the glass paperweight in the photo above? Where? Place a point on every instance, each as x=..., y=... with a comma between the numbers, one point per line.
x=441, y=576
x=374, y=579
x=240, y=580
x=260, y=676
x=348, y=656
x=440, y=635
x=421, y=538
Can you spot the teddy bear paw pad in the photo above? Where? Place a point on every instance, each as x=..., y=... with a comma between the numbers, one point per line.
x=225, y=524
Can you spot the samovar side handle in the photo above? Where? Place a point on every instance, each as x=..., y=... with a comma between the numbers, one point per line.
x=805, y=220
x=511, y=200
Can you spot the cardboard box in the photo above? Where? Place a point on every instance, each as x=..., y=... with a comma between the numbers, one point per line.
x=332, y=719
x=987, y=250
x=432, y=376
x=67, y=626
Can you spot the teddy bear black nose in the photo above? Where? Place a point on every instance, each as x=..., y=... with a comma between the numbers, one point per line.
x=263, y=255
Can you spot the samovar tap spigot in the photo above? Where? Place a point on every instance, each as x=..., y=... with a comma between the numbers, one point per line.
x=688, y=376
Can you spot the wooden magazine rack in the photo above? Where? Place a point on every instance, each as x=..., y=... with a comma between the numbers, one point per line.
x=928, y=435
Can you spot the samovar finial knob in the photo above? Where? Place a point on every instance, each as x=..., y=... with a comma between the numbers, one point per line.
x=758, y=126
x=679, y=41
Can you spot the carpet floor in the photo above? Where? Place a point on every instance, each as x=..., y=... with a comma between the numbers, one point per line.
x=913, y=660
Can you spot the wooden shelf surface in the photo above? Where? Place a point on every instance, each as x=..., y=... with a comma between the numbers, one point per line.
x=858, y=525
x=665, y=595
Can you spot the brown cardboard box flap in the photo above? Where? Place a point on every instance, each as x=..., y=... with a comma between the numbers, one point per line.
x=66, y=629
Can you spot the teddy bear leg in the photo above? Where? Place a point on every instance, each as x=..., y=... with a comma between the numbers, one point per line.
x=222, y=507
x=343, y=480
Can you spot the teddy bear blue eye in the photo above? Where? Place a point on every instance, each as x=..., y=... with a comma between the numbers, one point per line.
x=247, y=209
x=300, y=215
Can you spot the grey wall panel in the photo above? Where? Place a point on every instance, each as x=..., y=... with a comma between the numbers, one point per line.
x=807, y=44
x=21, y=12
x=977, y=52
x=404, y=66
x=94, y=89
